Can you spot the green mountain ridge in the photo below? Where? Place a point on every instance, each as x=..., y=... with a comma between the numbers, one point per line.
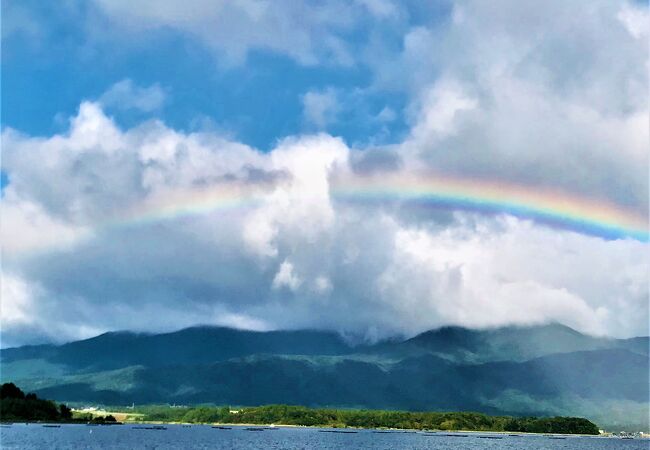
x=544, y=370
x=189, y=346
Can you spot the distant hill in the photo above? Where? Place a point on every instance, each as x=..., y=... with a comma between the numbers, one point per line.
x=508, y=343
x=543, y=370
x=188, y=346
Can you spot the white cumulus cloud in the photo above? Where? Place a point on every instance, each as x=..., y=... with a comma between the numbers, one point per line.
x=104, y=225
x=126, y=95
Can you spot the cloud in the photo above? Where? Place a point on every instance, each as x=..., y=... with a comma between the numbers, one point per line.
x=19, y=300
x=541, y=95
x=320, y=108
x=380, y=8
x=286, y=277
x=309, y=34
x=32, y=228
x=386, y=115
x=439, y=112
x=19, y=21
x=110, y=225
x=16, y=297
x=290, y=256
x=488, y=277
x=376, y=160
x=300, y=207
x=635, y=19
x=322, y=285
x=126, y=95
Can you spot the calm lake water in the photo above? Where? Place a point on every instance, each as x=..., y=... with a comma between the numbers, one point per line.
x=205, y=437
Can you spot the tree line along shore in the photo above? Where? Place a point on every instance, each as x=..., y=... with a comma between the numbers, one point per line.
x=361, y=418
x=17, y=406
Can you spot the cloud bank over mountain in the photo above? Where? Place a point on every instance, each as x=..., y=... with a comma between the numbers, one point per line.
x=143, y=225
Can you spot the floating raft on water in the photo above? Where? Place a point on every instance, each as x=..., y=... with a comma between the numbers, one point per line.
x=445, y=435
x=338, y=431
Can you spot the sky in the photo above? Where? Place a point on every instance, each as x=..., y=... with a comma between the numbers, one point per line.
x=373, y=167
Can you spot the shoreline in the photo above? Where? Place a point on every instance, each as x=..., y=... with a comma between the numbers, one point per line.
x=266, y=425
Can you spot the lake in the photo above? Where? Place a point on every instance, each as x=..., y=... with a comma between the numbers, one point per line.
x=35, y=436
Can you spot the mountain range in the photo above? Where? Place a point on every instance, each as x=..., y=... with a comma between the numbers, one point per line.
x=539, y=370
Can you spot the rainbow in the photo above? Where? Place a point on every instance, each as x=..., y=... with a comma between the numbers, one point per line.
x=553, y=208
x=176, y=204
